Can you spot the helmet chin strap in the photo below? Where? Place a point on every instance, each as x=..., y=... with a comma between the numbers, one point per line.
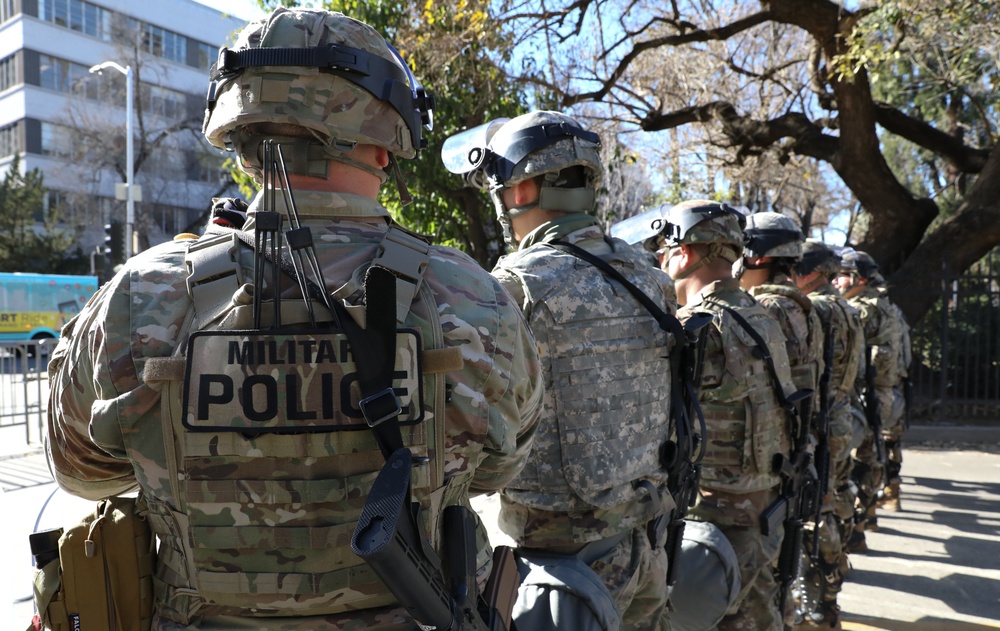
x=306, y=156
x=715, y=251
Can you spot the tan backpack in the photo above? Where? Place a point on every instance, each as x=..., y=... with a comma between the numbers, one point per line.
x=100, y=575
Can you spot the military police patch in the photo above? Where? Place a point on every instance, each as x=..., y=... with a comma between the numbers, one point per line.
x=289, y=381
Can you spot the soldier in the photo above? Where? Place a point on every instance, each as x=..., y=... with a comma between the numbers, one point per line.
x=860, y=283
x=254, y=497
x=593, y=485
x=842, y=327
x=741, y=391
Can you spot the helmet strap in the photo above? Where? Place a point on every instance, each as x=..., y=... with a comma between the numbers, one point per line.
x=305, y=156
x=715, y=251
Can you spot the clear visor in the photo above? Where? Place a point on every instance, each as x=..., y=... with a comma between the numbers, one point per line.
x=464, y=151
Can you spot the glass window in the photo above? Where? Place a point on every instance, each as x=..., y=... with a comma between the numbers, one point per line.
x=8, y=140
x=207, y=55
x=8, y=72
x=56, y=140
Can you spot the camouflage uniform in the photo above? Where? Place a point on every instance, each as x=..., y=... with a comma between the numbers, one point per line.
x=597, y=344
x=254, y=527
x=593, y=481
x=737, y=483
x=893, y=432
x=844, y=326
x=884, y=339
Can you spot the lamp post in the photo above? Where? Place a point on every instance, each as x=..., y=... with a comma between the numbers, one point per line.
x=129, y=194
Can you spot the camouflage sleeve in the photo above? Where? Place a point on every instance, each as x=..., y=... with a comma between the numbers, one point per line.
x=513, y=286
x=81, y=385
x=514, y=396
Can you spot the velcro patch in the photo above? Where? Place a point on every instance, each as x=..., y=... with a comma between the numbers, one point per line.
x=288, y=381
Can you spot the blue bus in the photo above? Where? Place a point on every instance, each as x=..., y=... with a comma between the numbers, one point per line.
x=36, y=306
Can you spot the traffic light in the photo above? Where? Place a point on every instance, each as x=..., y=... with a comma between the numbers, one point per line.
x=114, y=242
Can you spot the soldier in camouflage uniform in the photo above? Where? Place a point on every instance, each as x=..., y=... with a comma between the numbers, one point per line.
x=860, y=283
x=746, y=423
x=842, y=325
x=254, y=526
x=593, y=482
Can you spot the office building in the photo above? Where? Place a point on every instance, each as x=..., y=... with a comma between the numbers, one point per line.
x=71, y=123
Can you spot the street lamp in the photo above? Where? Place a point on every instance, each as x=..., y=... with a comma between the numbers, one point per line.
x=129, y=194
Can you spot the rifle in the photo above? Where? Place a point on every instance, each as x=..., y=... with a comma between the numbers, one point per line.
x=872, y=413
x=823, y=432
x=796, y=500
x=390, y=538
x=679, y=458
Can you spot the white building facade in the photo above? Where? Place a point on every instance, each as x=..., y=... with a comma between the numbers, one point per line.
x=71, y=123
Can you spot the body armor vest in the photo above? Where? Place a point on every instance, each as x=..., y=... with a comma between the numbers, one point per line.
x=804, y=336
x=884, y=333
x=259, y=521
x=746, y=426
x=606, y=409
x=848, y=339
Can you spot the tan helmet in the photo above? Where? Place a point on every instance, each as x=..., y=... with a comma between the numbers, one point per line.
x=818, y=257
x=773, y=235
x=860, y=264
x=705, y=221
x=322, y=71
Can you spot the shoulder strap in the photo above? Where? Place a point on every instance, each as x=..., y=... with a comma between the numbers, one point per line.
x=787, y=402
x=667, y=322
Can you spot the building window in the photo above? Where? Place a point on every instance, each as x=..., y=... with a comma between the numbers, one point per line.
x=70, y=78
x=9, y=72
x=160, y=42
x=78, y=16
x=207, y=55
x=56, y=140
x=164, y=102
x=6, y=10
x=9, y=144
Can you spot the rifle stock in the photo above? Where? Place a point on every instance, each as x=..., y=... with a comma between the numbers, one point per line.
x=389, y=539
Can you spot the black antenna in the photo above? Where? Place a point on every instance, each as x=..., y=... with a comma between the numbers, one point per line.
x=267, y=227
x=300, y=243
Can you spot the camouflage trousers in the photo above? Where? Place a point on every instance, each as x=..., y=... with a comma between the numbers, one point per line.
x=635, y=573
x=738, y=517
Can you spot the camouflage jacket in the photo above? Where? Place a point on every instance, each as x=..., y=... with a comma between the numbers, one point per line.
x=848, y=336
x=801, y=326
x=107, y=417
x=607, y=389
x=884, y=335
x=745, y=423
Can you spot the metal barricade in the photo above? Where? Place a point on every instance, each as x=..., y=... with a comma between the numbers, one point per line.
x=24, y=386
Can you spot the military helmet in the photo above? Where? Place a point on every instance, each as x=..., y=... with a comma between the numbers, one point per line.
x=322, y=71
x=818, y=257
x=704, y=221
x=772, y=234
x=867, y=267
x=540, y=143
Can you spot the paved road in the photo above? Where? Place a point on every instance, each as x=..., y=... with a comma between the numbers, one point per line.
x=933, y=567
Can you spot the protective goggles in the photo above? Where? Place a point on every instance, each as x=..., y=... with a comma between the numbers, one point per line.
x=676, y=226
x=471, y=151
x=757, y=242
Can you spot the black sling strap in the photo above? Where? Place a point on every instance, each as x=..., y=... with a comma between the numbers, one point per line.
x=787, y=402
x=667, y=322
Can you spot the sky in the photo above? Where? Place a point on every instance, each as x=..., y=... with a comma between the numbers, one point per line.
x=245, y=9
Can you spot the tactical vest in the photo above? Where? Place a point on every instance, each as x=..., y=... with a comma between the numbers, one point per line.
x=884, y=333
x=847, y=339
x=606, y=408
x=269, y=459
x=746, y=426
x=804, y=342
